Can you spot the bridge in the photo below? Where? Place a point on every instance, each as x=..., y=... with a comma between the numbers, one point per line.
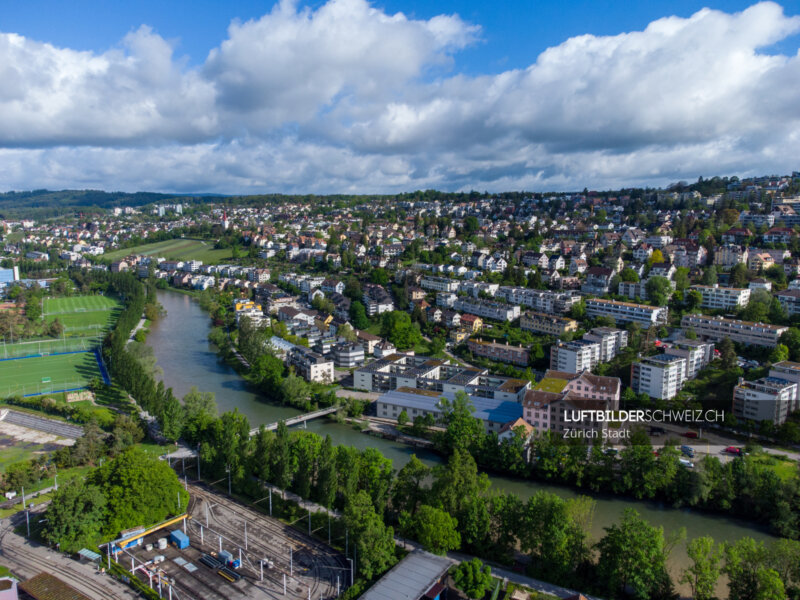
x=299, y=419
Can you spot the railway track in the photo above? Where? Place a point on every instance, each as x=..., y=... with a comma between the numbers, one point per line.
x=315, y=565
x=28, y=560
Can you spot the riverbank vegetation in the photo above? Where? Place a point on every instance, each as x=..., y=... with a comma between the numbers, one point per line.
x=747, y=487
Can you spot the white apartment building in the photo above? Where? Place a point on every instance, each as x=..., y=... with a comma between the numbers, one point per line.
x=697, y=354
x=790, y=371
x=439, y=284
x=487, y=309
x=539, y=300
x=575, y=356
x=311, y=365
x=626, y=312
x=722, y=298
x=790, y=301
x=766, y=399
x=746, y=332
x=611, y=341
x=660, y=376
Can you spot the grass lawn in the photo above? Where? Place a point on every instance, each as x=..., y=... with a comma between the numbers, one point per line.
x=83, y=315
x=785, y=468
x=551, y=384
x=178, y=249
x=45, y=374
x=13, y=451
x=48, y=345
x=73, y=304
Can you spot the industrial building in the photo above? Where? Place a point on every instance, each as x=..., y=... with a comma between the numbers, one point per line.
x=419, y=576
x=493, y=413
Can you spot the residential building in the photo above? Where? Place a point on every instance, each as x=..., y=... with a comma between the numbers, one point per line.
x=626, y=312
x=332, y=286
x=516, y=355
x=376, y=300
x=789, y=371
x=611, y=341
x=423, y=372
x=439, y=284
x=746, y=332
x=487, y=309
x=555, y=410
x=698, y=354
x=790, y=301
x=760, y=261
x=766, y=399
x=539, y=300
x=723, y=298
x=778, y=235
x=473, y=323
x=633, y=289
x=660, y=376
x=730, y=255
x=575, y=356
x=548, y=324
x=760, y=284
x=348, y=355
x=311, y=365
x=597, y=281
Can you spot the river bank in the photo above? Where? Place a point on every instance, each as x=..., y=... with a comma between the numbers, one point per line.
x=187, y=358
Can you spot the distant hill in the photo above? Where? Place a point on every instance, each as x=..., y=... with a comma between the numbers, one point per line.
x=47, y=203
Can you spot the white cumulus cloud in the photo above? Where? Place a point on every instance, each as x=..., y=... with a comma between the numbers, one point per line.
x=347, y=97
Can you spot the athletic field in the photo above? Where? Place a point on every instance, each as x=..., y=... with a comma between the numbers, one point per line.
x=82, y=315
x=46, y=374
x=47, y=346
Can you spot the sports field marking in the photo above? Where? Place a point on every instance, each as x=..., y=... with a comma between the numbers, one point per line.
x=45, y=374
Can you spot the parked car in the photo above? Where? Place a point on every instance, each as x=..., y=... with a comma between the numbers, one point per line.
x=733, y=450
x=688, y=451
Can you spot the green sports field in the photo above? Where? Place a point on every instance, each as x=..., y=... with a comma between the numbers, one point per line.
x=45, y=374
x=73, y=304
x=82, y=315
x=178, y=249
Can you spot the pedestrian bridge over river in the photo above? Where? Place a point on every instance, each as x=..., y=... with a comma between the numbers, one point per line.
x=299, y=419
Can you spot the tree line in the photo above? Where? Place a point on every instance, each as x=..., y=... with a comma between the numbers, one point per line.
x=741, y=487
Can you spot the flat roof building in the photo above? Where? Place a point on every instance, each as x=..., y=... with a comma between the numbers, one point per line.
x=745, y=332
x=766, y=399
x=627, y=312
x=419, y=575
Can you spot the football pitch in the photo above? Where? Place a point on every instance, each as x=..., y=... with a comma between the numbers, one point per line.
x=46, y=374
x=82, y=314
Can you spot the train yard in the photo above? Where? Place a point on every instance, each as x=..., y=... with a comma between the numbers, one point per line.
x=234, y=552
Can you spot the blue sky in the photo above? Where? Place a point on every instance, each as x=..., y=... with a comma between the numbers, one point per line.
x=348, y=96
x=514, y=31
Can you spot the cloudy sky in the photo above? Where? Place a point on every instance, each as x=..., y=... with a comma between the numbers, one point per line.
x=353, y=96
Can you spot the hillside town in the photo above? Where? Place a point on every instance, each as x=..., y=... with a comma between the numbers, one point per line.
x=646, y=292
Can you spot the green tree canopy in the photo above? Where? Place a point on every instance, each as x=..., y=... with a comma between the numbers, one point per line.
x=74, y=518
x=139, y=490
x=473, y=578
x=432, y=527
